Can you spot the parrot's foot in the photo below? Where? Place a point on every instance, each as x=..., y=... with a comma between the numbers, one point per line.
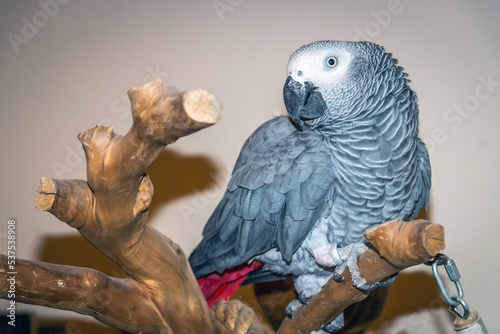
x=350, y=255
x=334, y=326
x=327, y=256
x=339, y=278
x=307, y=286
x=307, y=294
x=304, y=297
x=292, y=307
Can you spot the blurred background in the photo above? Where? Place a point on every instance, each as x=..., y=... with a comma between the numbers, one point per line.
x=66, y=66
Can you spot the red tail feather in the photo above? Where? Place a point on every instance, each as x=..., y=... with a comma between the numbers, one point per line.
x=217, y=287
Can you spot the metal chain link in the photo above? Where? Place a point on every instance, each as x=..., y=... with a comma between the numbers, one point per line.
x=455, y=301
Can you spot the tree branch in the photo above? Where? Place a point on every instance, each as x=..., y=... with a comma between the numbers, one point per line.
x=400, y=245
x=85, y=291
x=110, y=210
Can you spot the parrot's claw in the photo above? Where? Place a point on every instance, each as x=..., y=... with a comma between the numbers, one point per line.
x=362, y=285
x=338, y=271
x=337, y=277
x=292, y=307
x=304, y=296
x=335, y=325
x=351, y=254
x=327, y=256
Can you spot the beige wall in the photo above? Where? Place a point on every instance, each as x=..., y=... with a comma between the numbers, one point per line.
x=67, y=70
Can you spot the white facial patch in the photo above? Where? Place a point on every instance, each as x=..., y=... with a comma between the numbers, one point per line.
x=312, y=66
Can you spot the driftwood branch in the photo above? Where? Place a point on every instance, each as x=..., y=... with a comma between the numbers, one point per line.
x=160, y=293
x=83, y=290
x=397, y=245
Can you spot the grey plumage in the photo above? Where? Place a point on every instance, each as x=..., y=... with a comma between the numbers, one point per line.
x=273, y=199
x=347, y=159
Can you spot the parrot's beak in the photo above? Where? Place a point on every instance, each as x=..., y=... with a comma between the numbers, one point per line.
x=303, y=101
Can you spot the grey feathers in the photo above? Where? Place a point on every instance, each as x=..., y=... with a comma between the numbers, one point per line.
x=347, y=159
x=279, y=187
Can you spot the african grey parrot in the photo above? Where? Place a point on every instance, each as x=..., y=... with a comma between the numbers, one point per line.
x=305, y=188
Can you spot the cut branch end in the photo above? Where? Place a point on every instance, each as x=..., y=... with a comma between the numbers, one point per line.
x=46, y=194
x=410, y=243
x=201, y=106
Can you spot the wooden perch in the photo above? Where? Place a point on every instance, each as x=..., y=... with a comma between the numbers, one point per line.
x=399, y=244
x=160, y=293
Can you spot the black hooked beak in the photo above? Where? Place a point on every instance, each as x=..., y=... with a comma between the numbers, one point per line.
x=303, y=101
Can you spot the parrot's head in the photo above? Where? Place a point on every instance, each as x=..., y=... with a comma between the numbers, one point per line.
x=332, y=80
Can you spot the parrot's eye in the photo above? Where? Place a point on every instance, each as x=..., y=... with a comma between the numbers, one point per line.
x=331, y=61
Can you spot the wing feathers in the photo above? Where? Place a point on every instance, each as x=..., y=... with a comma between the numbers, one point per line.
x=280, y=182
